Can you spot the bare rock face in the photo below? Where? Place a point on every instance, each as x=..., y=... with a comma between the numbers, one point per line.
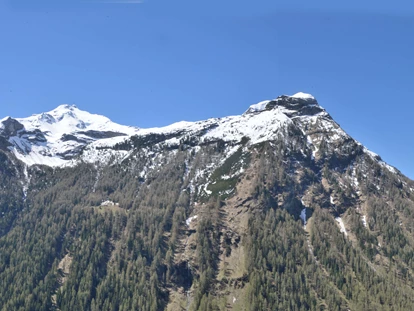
x=11, y=127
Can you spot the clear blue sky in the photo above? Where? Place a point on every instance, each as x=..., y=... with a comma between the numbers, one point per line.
x=157, y=62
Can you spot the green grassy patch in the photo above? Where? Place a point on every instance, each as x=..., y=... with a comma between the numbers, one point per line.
x=225, y=177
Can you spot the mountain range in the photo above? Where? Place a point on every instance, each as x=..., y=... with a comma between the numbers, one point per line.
x=275, y=209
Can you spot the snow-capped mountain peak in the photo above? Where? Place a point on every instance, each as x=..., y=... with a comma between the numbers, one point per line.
x=56, y=137
x=66, y=119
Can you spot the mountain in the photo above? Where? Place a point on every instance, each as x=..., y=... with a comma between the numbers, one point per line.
x=56, y=137
x=275, y=209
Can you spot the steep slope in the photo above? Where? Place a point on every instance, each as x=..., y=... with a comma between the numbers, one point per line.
x=275, y=209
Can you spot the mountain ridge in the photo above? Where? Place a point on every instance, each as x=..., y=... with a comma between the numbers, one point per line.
x=275, y=209
x=64, y=143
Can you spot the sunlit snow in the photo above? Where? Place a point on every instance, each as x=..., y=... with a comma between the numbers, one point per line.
x=303, y=216
x=109, y=203
x=258, y=107
x=64, y=120
x=303, y=95
x=364, y=221
x=189, y=220
x=341, y=225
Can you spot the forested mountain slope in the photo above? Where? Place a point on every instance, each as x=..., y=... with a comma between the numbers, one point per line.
x=275, y=209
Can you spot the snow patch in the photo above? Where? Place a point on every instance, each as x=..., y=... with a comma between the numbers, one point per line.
x=109, y=203
x=34, y=157
x=341, y=225
x=302, y=95
x=258, y=107
x=26, y=182
x=364, y=221
x=303, y=216
x=189, y=220
x=312, y=146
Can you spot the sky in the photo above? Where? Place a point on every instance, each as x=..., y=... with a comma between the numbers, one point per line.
x=154, y=62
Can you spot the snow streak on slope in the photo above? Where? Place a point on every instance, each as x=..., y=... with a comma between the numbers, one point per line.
x=303, y=216
x=364, y=221
x=341, y=225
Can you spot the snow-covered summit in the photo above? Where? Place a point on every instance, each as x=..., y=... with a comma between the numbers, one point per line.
x=56, y=137
x=303, y=98
x=302, y=95
x=67, y=119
